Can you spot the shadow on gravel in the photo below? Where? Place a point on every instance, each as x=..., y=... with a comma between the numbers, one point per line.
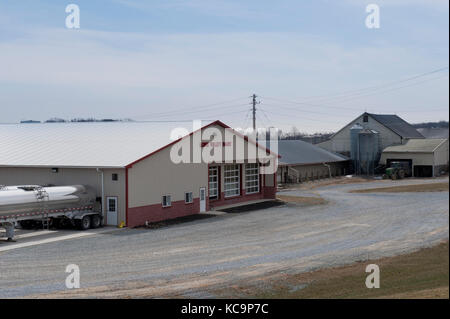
x=251, y=207
x=179, y=220
x=166, y=223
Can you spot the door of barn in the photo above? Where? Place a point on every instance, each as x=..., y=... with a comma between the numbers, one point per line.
x=202, y=199
x=111, y=211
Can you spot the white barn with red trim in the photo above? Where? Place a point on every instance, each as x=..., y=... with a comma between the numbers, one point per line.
x=131, y=168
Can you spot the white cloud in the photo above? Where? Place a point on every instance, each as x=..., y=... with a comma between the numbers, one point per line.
x=131, y=59
x=220, y=8
x=438, y=4
x=108, y=70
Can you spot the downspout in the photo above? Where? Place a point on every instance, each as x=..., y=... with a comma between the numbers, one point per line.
x=103, y=192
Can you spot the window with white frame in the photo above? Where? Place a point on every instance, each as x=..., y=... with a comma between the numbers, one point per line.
x=188, y=197
x=251, y=178
x=166, y=201
x=214, y=182
x=231, y=180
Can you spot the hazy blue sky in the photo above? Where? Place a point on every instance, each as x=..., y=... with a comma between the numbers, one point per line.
x=157, y=59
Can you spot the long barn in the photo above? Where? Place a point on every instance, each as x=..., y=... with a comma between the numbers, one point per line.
x=140, y=171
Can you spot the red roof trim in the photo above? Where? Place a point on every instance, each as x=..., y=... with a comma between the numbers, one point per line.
x=203, y=127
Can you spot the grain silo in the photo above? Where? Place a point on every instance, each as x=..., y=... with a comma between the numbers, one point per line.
x=365, y=149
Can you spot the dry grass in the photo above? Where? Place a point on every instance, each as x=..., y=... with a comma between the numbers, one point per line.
x=327, y=182
x=338, y=181
x=305, y=200
x=422, y=274
x=429, y=187
x=434, y=293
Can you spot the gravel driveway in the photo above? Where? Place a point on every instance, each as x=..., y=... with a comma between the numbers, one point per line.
x=187, y=259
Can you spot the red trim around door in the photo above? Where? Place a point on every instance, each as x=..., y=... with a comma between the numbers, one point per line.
x=126, y=196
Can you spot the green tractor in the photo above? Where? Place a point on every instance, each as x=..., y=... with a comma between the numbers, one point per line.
x=398, y=170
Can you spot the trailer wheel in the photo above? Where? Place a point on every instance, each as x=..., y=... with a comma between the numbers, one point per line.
x=85, y=223
x=96, y=221
x=55, y=223
x=26, y=224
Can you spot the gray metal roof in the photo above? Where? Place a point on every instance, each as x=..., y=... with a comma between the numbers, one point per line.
x=299, y=152
x=428, y=145
x=434, y=132
x=397, y=125
x=115, y=144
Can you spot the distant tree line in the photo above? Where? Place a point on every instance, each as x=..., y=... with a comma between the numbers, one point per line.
x=440, y=124
x=84, y=120
x=295, y=134
x=75, y=120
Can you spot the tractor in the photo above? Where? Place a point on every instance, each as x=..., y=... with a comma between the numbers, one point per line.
x=398, y=170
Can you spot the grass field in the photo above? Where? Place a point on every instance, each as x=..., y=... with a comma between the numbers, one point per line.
x=429, y=187
x=422, y=274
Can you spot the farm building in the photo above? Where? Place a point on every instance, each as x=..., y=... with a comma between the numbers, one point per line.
x=391, y=129
x=140, y=173
x=426, y=157
x=301, y=161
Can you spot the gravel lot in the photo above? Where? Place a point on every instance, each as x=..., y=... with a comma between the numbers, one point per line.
x=188, y=259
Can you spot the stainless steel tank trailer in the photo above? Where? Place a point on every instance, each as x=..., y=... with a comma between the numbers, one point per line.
x=27, y=205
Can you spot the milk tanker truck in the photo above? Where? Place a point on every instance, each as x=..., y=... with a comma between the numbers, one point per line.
x=31, y=205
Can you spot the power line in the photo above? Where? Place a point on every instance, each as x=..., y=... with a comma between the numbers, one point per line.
x=344, y=98
x=213, y=118
x=172, y=113
x=351, y=98
x=301, y=110
x=351, y=92
x=296, y=117
x=391, y=89
x=180, y=110
x=246, y=118
x=265, y=115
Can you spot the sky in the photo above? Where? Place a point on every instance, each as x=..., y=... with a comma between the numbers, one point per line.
x=313, y=63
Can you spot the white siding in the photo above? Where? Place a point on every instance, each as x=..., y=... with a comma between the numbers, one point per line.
x=70, y=176
x=417, y=158
x=441, y=154
x=340, y=142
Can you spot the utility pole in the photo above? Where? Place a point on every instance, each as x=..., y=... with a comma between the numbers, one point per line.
x=254, y=111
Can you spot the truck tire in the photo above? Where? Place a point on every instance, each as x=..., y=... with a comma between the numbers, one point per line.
x=85, y=223
x=96, y=221
x=55, y=223
x=26, y=224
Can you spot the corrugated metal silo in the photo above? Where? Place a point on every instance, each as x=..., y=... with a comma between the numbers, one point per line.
x=369, y=153
x=354, y=145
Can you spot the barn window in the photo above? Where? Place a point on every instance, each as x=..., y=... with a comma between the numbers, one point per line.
x=232, y=180
x=115, y=177
x=366, y=118
x=166, y=201
x=188, y=199
x=214, y=182
x=251, y=178
x=112, y=204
